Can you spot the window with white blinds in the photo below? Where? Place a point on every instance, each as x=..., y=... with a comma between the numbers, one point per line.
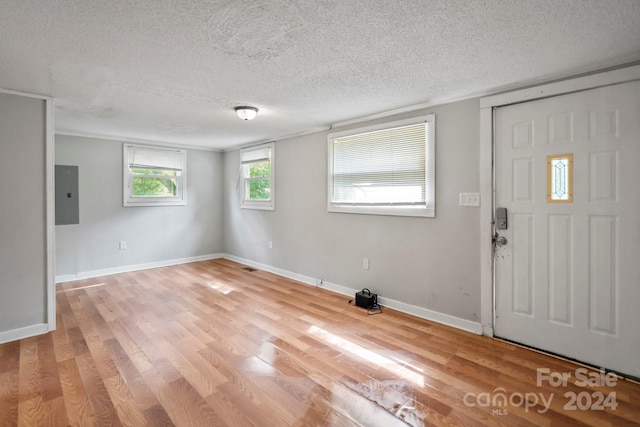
x=386, y=169
x=153, y=176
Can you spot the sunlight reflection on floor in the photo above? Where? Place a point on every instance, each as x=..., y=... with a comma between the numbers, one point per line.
x=368, y=355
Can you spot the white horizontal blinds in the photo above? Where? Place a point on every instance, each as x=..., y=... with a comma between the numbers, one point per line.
x=256, y=155
x=155, y=158
x=383, y=167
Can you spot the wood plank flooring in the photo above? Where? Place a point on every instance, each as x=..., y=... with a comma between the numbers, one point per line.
x=208, y=344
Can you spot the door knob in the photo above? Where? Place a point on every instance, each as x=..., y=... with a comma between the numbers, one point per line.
x=501, y=241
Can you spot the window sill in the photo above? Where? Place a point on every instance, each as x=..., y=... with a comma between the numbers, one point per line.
x=418, y=211
x=133, y=203
x=261, y=206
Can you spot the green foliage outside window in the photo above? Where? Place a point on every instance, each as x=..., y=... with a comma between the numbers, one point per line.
x=259, y=189
x=154, y=183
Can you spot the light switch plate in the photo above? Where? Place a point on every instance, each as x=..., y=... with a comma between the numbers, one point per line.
x=469, y=199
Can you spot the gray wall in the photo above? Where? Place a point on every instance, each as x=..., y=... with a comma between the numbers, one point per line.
x=153, y=234
x=432, y=263
x=23, y=242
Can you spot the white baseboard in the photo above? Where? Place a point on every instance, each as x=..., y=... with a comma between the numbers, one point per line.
x=66, y=278
x=432, y=315
x=134, y=267
x=424, y=313
x=25, y=332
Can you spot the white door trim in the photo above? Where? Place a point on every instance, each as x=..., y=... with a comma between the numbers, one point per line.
x=50, y=214
x=487, y=105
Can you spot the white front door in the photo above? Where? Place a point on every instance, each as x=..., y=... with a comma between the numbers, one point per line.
x=567, y=267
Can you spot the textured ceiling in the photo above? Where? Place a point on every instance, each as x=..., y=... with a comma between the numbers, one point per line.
x=172, y=71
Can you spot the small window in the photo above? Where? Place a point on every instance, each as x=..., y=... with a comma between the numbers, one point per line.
x=387, y=169
x=154, y=176
x=560, y=178
x=256, y=164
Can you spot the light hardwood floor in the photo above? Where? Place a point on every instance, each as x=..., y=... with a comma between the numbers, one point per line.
x=209, y=343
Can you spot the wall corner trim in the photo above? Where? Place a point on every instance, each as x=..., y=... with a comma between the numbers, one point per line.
x=423, y=313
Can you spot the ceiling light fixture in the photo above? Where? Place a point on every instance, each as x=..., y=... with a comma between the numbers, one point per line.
x=246, y=113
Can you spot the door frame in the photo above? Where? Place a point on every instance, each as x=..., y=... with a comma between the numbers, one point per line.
x=488, y=105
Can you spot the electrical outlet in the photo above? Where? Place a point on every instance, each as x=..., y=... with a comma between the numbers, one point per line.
x=123, y=245
x=270, y=244
x=469, y=199
x=365, y=263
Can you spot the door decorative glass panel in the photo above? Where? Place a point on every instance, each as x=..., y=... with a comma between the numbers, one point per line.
x=560, y=178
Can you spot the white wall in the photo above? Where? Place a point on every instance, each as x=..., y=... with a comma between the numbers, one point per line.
x=23, y=217
x=432, y=263
x=153, y=234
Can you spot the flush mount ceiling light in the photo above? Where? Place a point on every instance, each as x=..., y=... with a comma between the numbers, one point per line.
x=246, y=113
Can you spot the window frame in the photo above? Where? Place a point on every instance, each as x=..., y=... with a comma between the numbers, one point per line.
x=419, y=210
x=244, y=180
x=129, y=199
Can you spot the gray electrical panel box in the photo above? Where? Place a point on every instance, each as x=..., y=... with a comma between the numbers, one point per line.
x=67, y=202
